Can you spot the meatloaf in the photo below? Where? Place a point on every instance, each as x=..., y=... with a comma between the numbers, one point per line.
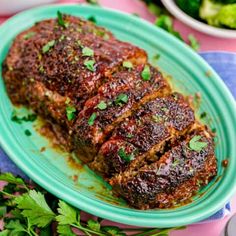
x=113, y=109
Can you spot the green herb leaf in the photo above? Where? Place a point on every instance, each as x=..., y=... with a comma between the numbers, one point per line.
x=65, y=230
x=196, y=145
x=3, y=211
x=94, y=225
x=127, y=64
x=29, y=35
x=194, y=44
x=28, y=133
x=88, y=52
x=92, y=119
x=60, y=20
x=48, y=46
x=165, y=22
x=157, y=118
x=92, y=19
x=102, y=105
x=10, y=178
x=90, y=65
x=146, y=73
x=156, y=57
x=19, y=120
x=129, y=135
x=124, y=156
x=121, y=99
x=70, y=112
x=15, y=226
x=113, y=230
x=35, y=208
x=93, y=2
x=5, y=232
x=67, y=214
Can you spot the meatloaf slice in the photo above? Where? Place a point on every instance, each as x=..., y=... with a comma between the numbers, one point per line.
x=115, y=100
x=150, y=129
x=174, y=178
x=49, y=64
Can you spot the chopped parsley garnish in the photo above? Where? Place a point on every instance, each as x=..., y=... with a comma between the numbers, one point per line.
x=61, y=21
x=90, y=65
x=62, y=38
x=27, y=132
x=93, y=2
x=129, y=135
x=48, y=46
x=92, y=119
x=124, y=156
x=87, y=52
x=146, y=73
x=92, y=19
x=203, y=115
x=127, y=64
x=29, y=35
x=70, y=112
x=156, y=57
x=106, y=36
x=156, y=118
x=194, y=44
x=196, y=145
x=121, y=99
x=41, y=69
x=102, y=105
x=29, y=118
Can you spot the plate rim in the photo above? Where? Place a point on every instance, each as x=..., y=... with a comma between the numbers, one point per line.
x=88, y=204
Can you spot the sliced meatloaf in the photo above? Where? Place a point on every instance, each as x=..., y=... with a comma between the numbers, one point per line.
x=115, y=100
x=50, y=67
x=157, y=124
x=172, y=179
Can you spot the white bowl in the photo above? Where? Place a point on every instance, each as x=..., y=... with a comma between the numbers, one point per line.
x=198, y=25
x=9, y=7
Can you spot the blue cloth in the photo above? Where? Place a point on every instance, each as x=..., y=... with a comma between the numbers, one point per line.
x=223, y=63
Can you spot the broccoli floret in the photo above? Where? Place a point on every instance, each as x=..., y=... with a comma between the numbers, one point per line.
x=218, y=14
x=209, y=11
x=227, y=16
x=191, y=7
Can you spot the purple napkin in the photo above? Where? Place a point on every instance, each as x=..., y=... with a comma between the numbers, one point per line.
x=224, y=64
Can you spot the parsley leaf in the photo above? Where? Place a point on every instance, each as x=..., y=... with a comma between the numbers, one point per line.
x=102, y=105
x=65, y=230
x=93, y=2
x=90, y=65
x=92, y=19
x=127, y=64
x=194, y=44
x=10, y=178
x=48, y=46
x=124, y=156
x=28, y=133
x=35, y=208
x=196, y=145
x=60, y=20
x=94, y=225
x=165, y=22
x=29, y=118
x=67, y=214
x=86, y=51
x=92, y=119
x=146, y=73
x=70, y=112
x=113, y=230
x=15, y=226
x=29, y=35
x=121, y=99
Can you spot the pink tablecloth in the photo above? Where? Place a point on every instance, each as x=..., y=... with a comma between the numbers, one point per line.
x=207, y=43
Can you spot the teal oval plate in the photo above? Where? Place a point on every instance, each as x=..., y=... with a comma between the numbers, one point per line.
x=78, y=185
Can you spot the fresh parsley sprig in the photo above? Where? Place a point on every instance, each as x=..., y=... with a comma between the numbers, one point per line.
x=27, y=209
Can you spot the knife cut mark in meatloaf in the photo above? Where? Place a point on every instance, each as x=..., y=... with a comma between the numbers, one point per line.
x=121, y=96
x=105, y=102
x=174, y=178
x=151, y=128
x=54, y=76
